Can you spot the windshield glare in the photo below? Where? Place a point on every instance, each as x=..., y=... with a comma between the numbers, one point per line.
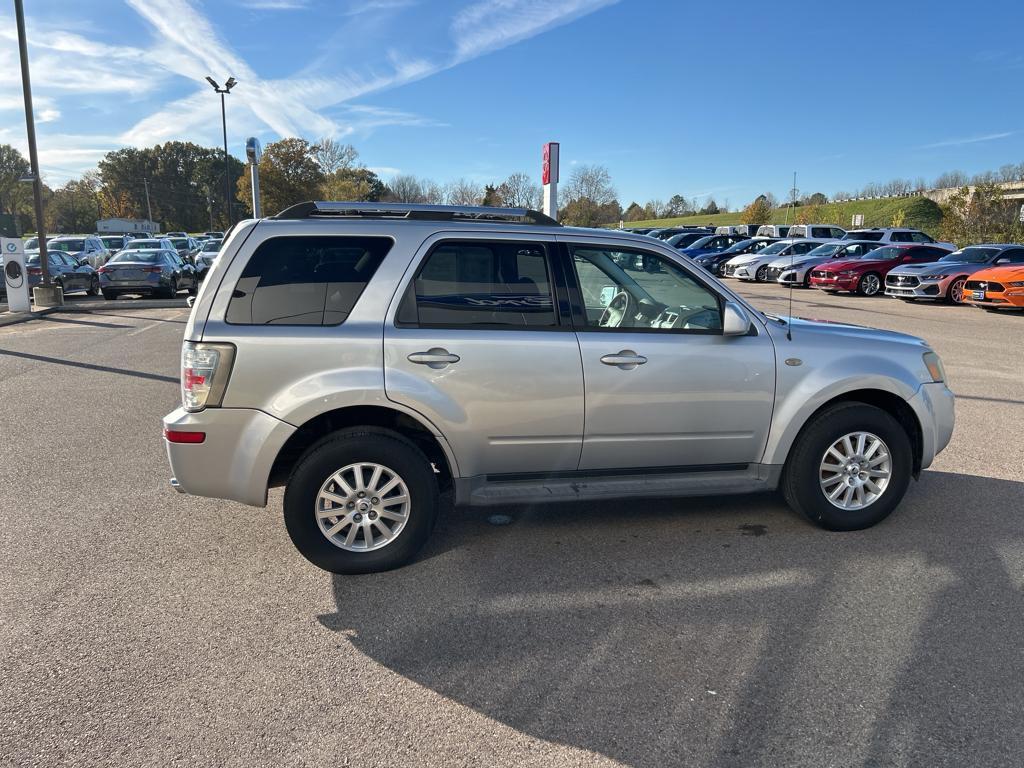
x=880, y=254
x=702, y=242
x=971, y=255
x=825, y=250
x=211, y=246
x=775, y=248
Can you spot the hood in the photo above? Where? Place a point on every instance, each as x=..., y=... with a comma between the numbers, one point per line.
x=842, y=265
x=832, y=329
x=1004, y=274
x=797, y=261
x=937, y=268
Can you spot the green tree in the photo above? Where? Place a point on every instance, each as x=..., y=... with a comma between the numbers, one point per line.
x=899, y=218
x=74, y=208
x=635, y=212
x=491, y=196
x=354, y=184
x=590, y=198
x=12, y=190
x=677, y=206
x=980, y=216
x=289, y=174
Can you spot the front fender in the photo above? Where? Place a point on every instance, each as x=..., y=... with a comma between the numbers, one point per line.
x=803, y=389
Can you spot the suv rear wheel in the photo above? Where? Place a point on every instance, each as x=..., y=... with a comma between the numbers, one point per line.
x=849, y=468
x=361, y=501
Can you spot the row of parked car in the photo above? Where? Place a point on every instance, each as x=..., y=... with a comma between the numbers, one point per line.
x=113, y=265
x=900, y=262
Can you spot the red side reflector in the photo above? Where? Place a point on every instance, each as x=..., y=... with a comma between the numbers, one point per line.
x=177, y=436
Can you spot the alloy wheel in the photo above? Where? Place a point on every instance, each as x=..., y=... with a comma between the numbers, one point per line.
x=362, y=507
x=956, y=291
x=855, y=471
x=870, y=285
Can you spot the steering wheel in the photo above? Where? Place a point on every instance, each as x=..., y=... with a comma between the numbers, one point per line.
x=618, y=309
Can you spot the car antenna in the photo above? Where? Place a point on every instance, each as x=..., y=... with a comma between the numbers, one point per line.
x=792, y=287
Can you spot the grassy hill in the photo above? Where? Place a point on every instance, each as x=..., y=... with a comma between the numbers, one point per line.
x=919, y=213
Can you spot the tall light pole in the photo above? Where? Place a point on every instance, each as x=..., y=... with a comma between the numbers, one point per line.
x=231, y=83
x=33, y=156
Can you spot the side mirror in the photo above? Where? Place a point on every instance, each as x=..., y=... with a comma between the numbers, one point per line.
x=735, y=320
x=1002, y=261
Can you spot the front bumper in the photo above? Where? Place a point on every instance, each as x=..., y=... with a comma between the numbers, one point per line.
x=934, y=405
x=1005, y=300
x=925, y=289
x=234, y=460
x=835, y=283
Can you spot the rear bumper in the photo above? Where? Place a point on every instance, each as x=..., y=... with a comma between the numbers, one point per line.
x=934, y=405
x=234, y=460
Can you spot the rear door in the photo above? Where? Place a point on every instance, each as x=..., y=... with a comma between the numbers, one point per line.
x=479, y=343
x=664, y=387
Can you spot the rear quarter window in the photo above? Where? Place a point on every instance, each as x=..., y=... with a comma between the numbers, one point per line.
x=314, y=280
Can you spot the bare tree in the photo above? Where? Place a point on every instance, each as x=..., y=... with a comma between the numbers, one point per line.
x=406, y=188
x=463, y=192
x=519, y=191
x=332, y=156
x=592, y=183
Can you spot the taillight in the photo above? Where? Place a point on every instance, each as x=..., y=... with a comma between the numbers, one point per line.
x=205, y=369
x=35, y=270
x=152, y=269
x=104, y=270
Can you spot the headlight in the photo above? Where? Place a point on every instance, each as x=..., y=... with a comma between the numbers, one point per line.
x=849, y=273
x=934, y=365
x=933, y=277
x=1017, y=284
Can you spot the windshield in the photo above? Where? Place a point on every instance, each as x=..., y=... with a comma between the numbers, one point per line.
x=888, y=253
x=684, y=239
x=863, y=235
x=138, y=245
x=32, y=244
x=179, y=242
x=68, y=246
x=775, y=248
x=824, y=251
x=113, y=242
x=741, y=247
x=139, y=257
x=212, y=245
x=702, y=242
x=973, y=255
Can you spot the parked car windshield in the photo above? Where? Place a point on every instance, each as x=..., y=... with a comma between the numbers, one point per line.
x=138, y=245
x=973, y=255
x=211, y=245
x=68, y=246
x=885, y=253
x=179, y=242
x=742, y=246
x=138, y=257
x=112, y=242
x=702, y=242
x=824, y=251
x=774, y=248
x=683, y=239
x=32, y=244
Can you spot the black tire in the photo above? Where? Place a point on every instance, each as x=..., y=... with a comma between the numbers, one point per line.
x=109, y=295
x=94, y=286
x=341, y=449
x=870, y=284
x=172, y=292
x=800, y=483
x=194, y=288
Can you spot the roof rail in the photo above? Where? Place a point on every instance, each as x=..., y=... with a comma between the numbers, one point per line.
x=414, y=211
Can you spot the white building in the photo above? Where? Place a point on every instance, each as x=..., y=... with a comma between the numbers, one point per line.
x=126, y=226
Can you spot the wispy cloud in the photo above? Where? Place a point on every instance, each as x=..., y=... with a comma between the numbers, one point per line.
x=968, y=140
x=274, y=5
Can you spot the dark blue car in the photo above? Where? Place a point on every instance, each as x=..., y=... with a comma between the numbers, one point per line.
x=712, y=244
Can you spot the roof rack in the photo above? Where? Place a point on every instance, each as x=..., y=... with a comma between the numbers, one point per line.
x=414, y=211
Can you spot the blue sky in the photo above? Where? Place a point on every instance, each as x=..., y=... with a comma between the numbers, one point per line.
x=724, y=98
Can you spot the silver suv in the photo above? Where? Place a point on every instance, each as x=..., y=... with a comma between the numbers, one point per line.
x=372, y=357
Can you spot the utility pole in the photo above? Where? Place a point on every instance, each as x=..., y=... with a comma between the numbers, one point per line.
x=33, y=155
x=231, y=83
x=149, y=209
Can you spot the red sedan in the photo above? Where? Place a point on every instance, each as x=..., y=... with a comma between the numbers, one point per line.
x=866, y=274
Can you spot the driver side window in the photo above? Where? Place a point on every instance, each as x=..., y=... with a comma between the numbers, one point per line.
x=642, y=291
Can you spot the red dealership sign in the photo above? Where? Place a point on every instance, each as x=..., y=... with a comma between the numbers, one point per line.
x=549, y=169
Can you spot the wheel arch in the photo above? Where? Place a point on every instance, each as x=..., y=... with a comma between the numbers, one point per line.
x=891, y=403
x=394, y=420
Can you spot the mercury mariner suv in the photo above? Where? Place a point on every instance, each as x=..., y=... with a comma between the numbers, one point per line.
x=374, y=358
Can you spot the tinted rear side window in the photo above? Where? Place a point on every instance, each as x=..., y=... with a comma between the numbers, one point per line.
x=489, y=284
x=305, y=280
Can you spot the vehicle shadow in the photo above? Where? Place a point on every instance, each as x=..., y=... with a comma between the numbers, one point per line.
x=711, y=632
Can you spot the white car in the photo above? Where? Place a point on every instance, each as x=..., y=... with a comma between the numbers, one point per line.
x=823, y=233
x=789, y=270
x=886, y=235
x=754, y=266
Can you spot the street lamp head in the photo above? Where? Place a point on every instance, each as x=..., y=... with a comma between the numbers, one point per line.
x=212, y=82
x=231, y=83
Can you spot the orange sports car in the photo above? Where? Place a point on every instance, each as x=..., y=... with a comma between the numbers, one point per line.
x=997, y=288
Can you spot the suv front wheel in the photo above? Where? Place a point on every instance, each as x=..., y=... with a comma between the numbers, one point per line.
x=849, y=468
x=361, y=501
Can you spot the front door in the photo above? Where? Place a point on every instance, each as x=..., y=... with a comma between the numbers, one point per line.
x=664, y=387
x=479, y=345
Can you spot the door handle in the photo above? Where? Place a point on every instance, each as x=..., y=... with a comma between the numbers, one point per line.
x=626, y=359
x=435, y=357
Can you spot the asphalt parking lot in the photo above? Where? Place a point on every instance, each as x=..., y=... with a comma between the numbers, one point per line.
x=140, y=627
